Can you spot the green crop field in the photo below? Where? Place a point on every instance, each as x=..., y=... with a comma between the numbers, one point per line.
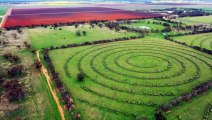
x=46, y=37
x=147, y=23
x=187, y=111
x=130, y=79
x=201, y=40
x=3, y=10
x=195, y=20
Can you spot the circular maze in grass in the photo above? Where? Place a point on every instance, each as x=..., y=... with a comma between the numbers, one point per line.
x=203, y=41
x=136, y=76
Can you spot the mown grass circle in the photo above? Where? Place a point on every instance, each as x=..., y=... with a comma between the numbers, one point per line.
x=136, y=73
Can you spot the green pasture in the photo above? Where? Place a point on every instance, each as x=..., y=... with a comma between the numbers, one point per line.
x=192, y=110
x=46, y=37
x=201, y=40
x=195, y=20
x=147, y=23
x=130, y=79
x=3, y=9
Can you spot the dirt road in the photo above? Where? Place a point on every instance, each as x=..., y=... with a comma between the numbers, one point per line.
x=54, y=94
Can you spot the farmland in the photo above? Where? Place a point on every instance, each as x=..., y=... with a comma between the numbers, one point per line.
x=201, y=40
x=29, y=17
x=3, y=10
x=101, y=62
x=147, y=23
x=38, y=103
x=120, y=86
x=46, y=37
x=186, y=111
x=195, y=20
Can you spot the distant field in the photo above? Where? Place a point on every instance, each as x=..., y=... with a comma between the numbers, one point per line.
x=130, y=79
x=147, y=23
x=186, y=111
x=48, y=16
x=195, y=20
x=201, y=40
x=46, y=37
x=3, y=10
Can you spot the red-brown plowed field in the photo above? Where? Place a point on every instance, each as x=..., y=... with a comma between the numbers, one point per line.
x=47, y=16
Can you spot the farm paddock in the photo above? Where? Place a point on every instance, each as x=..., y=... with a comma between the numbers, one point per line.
x=48, y=16
x=195, y=20
x=118, y=85
x=47, y=37
x=201, y=40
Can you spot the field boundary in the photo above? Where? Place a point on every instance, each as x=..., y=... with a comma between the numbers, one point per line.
x=4, y=17
x=54, y=94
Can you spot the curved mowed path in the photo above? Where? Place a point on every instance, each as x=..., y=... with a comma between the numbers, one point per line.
x=128, y=79
x=201, y=40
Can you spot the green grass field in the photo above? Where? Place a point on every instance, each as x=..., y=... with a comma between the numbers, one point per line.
x=3, y=10
x=189, y=111
x=46, y=37
x=201, y=40
x=147, y=23
x=195, y=20
x=130, y=79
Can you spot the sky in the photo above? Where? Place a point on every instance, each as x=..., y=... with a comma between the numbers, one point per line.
x=100, y=0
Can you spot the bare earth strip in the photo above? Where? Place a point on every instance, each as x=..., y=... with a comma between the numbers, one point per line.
x=4, y=18
x=45, y=72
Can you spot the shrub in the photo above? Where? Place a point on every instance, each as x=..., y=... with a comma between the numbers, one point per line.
x=15, y=70
x=80, y=76
x=38, y=65
x=14, y=90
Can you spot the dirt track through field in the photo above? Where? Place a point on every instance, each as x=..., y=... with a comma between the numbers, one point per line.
x=54, y=94
x=4, y=17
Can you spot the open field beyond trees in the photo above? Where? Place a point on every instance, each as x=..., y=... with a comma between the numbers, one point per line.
x=3, y=10
x=187, y=110
x=201, y=40
x=101, y=62
x=146, y=23
x=131, y=79
x=195, y=20
x=46, y=37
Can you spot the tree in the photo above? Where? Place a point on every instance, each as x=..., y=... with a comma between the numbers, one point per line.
x=1, y=80
x=14, y=90
x=14, y=35
x=160, y=116
x=19, y=31
x=38, y=65
x=15, y=70
x=80, y=76
x=11, y=58
x=78, y=33
x=84, y=33
x=76, y=25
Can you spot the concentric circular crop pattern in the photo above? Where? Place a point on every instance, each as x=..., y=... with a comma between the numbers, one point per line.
x=203, y=41
x=133, y=78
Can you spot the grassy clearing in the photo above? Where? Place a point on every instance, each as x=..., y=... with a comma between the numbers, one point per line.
x=46, y=37
x=201, y=40
x=195, y=20
x=189, y=111
x=128, y=79
x=3, y=10
x=39, y=103
x=147, y=23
